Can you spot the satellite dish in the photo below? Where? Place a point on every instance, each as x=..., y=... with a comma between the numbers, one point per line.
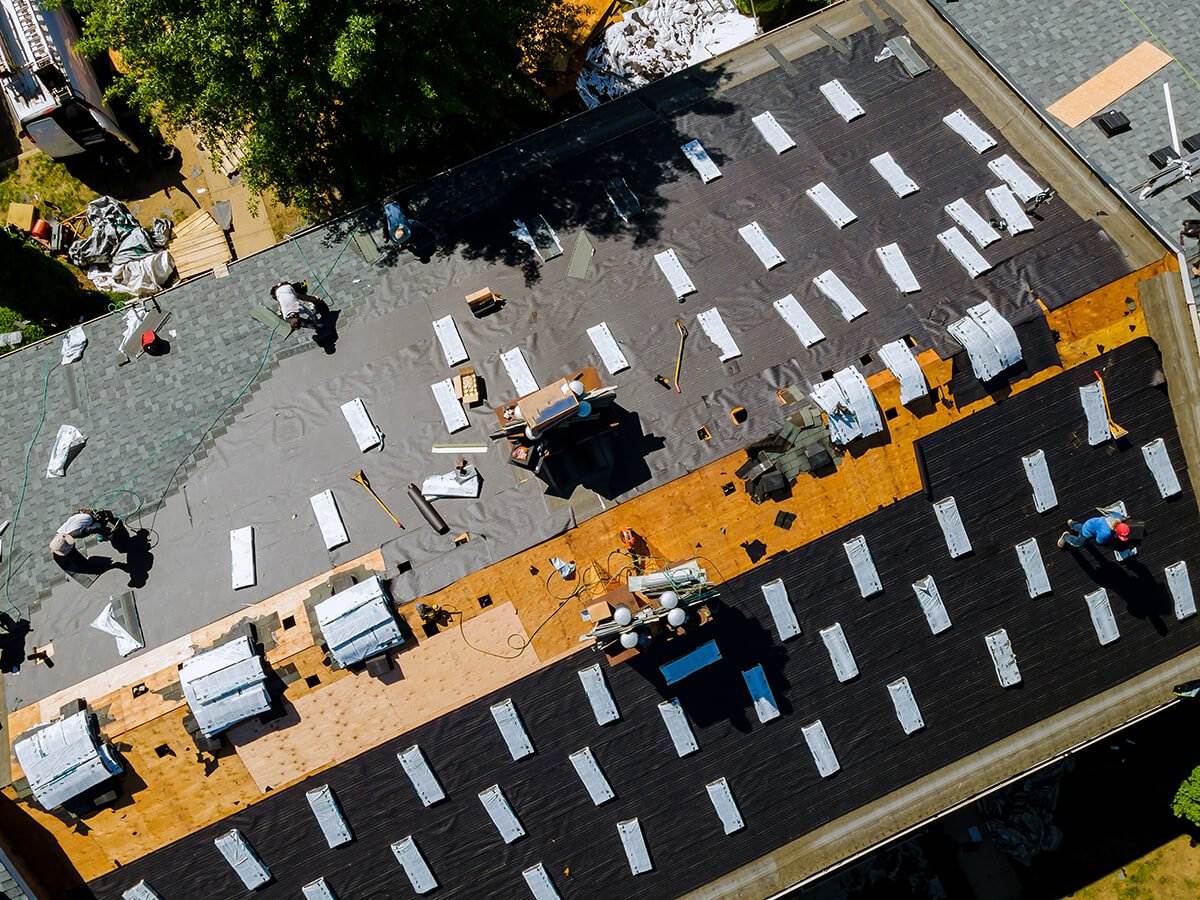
x=676, y=617
x=668, y=599
x=629, y=640
x=622, y=616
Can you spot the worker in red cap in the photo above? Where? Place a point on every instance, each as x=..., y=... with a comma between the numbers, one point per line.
x=1104, y=531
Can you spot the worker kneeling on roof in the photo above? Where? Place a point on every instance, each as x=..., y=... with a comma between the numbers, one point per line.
x=1104, y=531
x=296, y=307
x=83, y=523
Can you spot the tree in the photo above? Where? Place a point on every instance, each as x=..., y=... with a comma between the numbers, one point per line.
x=334, y=102
x=1186, y=803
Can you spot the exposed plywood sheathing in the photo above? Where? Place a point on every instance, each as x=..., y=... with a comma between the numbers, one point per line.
x=1109, y=85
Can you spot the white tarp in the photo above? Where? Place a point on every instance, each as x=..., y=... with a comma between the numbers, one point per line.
x=358, y=623
x=140, y=277
x=107, y=622
x=63, y=759
x=68, y=442
x=656, y=39
x=225, y=685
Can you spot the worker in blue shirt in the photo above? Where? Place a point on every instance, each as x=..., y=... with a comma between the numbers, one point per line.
x=1102, y=531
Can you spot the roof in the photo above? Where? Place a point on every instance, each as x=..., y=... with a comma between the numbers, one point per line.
x=1077, y=290
x=1026, y=39
x=285, y=440
x=772, y=776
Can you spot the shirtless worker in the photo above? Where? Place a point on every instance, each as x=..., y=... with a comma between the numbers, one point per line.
x=296, y=307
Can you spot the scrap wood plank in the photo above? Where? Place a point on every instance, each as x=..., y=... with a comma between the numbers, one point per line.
x=198, y=244
x=1106, y=87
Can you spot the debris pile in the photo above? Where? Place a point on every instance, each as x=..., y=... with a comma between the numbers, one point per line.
x=119, y=254
x=656, y=39
x=1020, y=818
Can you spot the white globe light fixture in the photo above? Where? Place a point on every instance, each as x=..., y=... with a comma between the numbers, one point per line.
x=622, y=616
x=676, y=617
x=629, y=640
x=668, y=599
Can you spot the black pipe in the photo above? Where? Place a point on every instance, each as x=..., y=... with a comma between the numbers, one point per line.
x=425, y=508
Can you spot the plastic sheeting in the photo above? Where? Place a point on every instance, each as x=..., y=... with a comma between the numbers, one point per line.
x=225, y=685
x=73, y=345
x=358, y=623
x=656, y=39
x=107, y=622
x=63, y=759
x=139, y=277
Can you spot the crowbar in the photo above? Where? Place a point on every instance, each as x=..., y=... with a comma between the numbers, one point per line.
x=361, y=477
x=679, y=356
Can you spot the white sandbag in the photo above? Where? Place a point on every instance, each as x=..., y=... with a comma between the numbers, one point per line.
x=73, y=345
x=70, y=439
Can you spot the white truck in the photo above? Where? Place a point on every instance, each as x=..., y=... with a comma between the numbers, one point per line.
x=51, y=90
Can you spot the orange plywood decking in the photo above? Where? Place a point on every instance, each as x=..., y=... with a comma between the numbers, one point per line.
x=177, y=792
x=325, y=727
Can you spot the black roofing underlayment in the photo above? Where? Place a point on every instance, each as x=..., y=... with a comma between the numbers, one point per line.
x=769, y=768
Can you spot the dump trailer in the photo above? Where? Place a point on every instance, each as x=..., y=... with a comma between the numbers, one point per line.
x=50, y=89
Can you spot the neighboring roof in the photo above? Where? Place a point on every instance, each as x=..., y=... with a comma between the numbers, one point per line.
x=63, y=759
x=12, y=886
x=770, y=770
x=286, y=440
x=1050, y=49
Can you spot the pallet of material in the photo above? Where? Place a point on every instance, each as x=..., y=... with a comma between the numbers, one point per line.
x=198, y=244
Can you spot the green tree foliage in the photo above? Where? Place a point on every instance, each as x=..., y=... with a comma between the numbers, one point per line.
x=334, y=101
x=1186, y=803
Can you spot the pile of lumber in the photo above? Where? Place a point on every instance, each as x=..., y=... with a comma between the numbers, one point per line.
x=198, y=244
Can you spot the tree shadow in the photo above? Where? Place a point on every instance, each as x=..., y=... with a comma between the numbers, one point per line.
x=45, y=864
x=562, y=174
x=47, y=292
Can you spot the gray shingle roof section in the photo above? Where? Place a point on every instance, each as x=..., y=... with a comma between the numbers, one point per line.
x=1050, y=49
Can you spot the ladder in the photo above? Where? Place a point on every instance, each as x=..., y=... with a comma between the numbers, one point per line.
x=30, y=23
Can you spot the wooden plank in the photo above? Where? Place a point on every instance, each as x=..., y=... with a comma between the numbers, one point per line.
x=1106, y=87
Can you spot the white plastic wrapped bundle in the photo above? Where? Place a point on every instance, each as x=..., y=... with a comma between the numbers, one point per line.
x=655, y=40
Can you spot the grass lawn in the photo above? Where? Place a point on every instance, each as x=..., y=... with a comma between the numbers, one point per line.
x=47, y=184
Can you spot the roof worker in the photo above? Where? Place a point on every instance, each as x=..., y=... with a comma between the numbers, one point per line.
x=1103, y=531
x=296, y=307
x=399, y=227
x=83, y=523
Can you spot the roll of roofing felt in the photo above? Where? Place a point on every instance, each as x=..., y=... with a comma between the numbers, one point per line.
x=436, y=522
